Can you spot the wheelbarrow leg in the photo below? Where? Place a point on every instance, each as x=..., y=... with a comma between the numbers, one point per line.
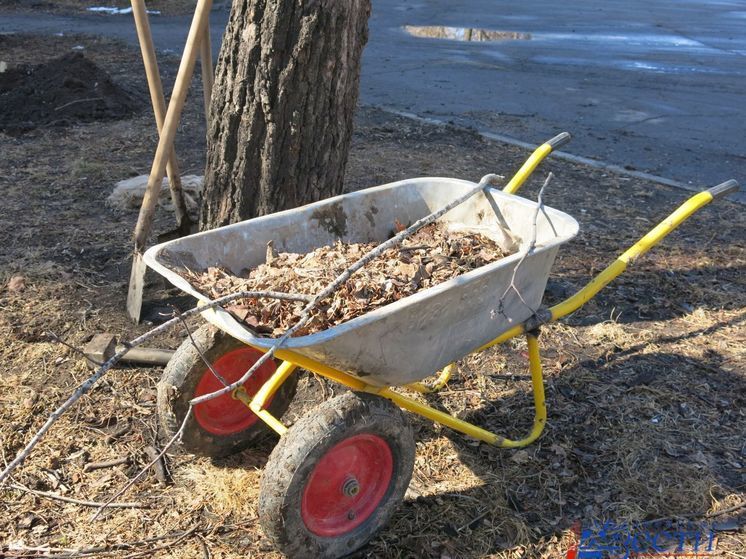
x=293, y=360
x=258, y=402
x=537, y=383
x=540, y=410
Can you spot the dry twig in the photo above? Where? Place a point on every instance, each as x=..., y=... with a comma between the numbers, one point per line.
x=63, y=498
x=529, y=249
x=106, y=464
x=105, y=550
x=155, y=459
x=202, y=355
x=158, y=463
x=86, y=385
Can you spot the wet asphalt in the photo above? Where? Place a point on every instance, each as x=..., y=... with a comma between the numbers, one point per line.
x=654, y=86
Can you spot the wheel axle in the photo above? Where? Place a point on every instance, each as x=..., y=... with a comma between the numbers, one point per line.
x=351, y=487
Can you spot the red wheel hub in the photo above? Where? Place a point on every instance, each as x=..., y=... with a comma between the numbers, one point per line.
x=225, y=415
x=347, y=485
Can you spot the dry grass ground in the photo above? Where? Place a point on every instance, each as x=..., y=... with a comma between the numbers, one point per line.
x=645, y=386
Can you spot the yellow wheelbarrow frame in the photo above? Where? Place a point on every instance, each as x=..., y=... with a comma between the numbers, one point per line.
x=292, y=360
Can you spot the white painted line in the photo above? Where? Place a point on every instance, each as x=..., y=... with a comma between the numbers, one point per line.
x=559, y=154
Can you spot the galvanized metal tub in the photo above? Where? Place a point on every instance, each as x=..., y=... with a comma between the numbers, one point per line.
x=413, y=338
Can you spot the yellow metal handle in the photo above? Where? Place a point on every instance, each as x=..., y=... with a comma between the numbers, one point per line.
x=656, y=235
x=533, y=161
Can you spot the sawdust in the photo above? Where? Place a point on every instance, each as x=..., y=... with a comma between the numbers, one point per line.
x=431, y=256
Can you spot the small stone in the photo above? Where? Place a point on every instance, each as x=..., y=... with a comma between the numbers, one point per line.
x=129, y=193
x=27, y=520
x=521, y=457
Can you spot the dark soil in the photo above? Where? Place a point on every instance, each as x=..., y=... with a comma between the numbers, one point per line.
x=67, y=90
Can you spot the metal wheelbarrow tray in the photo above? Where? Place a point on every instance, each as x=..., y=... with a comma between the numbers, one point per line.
x=410, y=339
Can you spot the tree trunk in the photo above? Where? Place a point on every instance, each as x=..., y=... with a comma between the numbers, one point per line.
x=285, y=91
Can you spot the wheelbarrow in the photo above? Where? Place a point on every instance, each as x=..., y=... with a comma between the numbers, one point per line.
x=336, y=475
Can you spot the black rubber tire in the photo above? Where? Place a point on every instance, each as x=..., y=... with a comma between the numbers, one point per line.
x=293, y=459
x=177, y=386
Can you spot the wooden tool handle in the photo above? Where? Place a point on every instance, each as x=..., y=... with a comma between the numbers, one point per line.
x=208, y=74
x=145, y=38
x=170, y=123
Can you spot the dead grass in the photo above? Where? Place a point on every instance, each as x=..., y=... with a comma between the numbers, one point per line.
x=222, y=489
x=645, y=386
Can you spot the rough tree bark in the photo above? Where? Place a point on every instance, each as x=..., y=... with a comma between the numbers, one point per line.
x=285, y=91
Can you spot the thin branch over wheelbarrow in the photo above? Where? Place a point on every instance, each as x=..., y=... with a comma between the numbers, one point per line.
x=85, y=387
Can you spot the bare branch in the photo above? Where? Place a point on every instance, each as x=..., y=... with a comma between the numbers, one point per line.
x=155, y=459
x=86, y=385
x=71, y=347
x=149, y=552
x=65, y=499
x=104, y=550
x=305, y=316
x=158, y=463
x=529, y=249
x=202, y=355
x=106, y=464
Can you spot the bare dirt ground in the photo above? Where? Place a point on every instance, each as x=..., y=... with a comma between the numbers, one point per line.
x=645, y=386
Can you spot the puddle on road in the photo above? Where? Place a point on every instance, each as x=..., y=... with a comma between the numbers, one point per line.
x=621, y=51
x=645, y=40
x=465, y=33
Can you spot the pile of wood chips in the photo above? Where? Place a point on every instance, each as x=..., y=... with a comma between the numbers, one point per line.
x=431, y=256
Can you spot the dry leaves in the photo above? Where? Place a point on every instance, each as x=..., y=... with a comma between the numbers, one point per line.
x=431, y=256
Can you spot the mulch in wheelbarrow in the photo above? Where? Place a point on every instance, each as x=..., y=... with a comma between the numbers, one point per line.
x=433, y=255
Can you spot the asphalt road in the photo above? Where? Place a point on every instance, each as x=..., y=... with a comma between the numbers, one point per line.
x=655, y=86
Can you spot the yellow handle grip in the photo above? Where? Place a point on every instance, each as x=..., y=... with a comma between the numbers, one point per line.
x=533, y=161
